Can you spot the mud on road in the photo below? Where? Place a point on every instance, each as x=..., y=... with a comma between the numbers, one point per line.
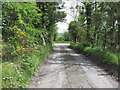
x=67, y=69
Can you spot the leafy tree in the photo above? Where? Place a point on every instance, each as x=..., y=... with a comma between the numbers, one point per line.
x=66, y=36
x=26, y=25
x=99, y=21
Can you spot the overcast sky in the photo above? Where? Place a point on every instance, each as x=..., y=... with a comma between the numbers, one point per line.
x=63, y=26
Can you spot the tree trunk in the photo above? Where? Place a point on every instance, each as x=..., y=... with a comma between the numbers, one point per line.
x=88, y=17
x=43, y=39
x=105, y=39
x=118, y=37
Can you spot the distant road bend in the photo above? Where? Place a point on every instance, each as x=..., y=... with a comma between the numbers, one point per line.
x=67, y=69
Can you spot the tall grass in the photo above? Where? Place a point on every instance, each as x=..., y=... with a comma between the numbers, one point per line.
x=17, y=74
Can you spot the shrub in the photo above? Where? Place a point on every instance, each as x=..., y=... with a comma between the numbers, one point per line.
x=79, y=47
x=111, y=58
x=97, y=52
x=87, y=49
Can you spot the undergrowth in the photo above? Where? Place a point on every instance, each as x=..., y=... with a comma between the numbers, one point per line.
x=17, y=73
x=103, y=55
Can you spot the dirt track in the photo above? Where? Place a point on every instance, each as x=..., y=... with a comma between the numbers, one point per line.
x=66, y=69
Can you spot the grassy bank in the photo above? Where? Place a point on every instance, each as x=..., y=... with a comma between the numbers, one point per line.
x=101, y=55
x=17, y=73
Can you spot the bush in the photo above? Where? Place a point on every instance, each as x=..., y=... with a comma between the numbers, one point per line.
x=87, y=50
x=78, y=47
x=98, y=52
x=111, y=58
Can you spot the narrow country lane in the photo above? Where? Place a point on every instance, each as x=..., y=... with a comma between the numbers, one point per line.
x=66, y=69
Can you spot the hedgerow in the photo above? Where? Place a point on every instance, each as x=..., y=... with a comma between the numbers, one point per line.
x=27, y=37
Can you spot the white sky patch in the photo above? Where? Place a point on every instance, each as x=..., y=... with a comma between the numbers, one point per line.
x=71, y=13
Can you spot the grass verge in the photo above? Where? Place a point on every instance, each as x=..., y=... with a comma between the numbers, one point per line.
x=17, y=73
x=102, y=56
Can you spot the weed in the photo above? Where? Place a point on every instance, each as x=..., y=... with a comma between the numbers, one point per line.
x=17, y=73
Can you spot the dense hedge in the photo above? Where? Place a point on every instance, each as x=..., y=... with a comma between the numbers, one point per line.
x=28, y=30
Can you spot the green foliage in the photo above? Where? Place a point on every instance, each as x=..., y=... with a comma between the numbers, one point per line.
x=66, y=36
x=97, y=32
x=16, y=74
x=9, y=75
x=111, y=58
x=28, y=33
x=26, y=25
x=87, y=49
x=19, y=35
x=78, y=47
x=97, y=25
x=60, y=15
x=99, y=53
x=74, y=28
x=63, y=37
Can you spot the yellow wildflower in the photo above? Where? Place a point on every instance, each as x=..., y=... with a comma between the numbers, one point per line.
x=22, y=33
x=1, y=54
x=1, y=40
x=18, y=50
x=15, y=26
